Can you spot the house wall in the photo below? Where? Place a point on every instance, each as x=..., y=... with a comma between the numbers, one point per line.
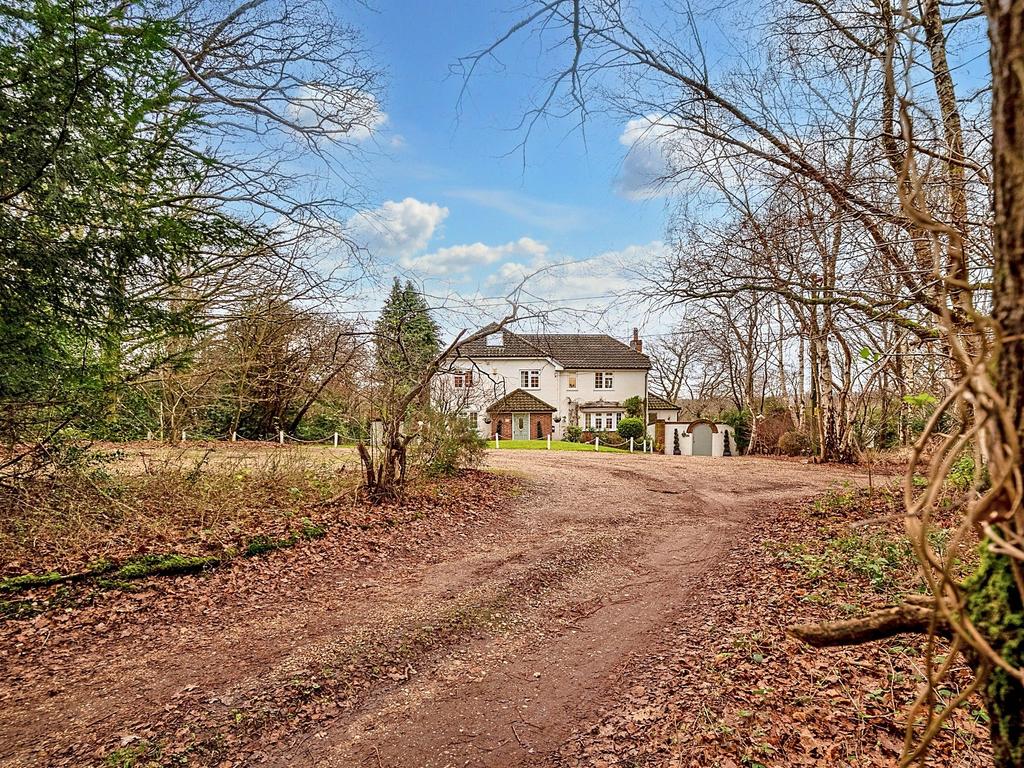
x=494, y=379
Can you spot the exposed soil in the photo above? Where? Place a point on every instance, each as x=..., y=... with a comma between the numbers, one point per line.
x=488, y=640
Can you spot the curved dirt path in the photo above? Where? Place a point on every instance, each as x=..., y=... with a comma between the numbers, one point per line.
x=489, y=648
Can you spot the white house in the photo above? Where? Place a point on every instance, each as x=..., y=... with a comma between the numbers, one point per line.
x=525, y=386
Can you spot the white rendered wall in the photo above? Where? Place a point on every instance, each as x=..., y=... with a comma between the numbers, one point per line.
x=493, y=379
x=686, y=439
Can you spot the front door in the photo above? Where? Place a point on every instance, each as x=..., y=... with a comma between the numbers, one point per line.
x=702, y=440
x=520, y=426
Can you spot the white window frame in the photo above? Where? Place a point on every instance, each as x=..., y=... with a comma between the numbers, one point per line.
x=529, y=378
x=605, y=421
x=463, y=380
x=571, y=380
x=604, y=380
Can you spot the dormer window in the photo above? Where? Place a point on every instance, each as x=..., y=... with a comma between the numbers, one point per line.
x=495, y=339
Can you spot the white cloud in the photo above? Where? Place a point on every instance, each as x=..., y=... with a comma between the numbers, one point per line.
x=347, y=113
x=647, y=161
x=398, y=228
x=585, y=280
x=457, y=259
x=663, y=157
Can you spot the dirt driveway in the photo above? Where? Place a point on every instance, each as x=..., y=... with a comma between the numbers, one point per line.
x=491, y=648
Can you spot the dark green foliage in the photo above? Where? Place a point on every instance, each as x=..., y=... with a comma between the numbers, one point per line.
x=92, y=246
x=573, y=434
x=634, y=407
x=740, y=421
x=405, y=335
x=631, y=427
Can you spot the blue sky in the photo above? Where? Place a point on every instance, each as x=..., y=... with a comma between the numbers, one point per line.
x=455, y=205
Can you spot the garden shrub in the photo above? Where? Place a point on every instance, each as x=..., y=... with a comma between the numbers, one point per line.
x=573, y=434
x=634, y=406
x=631, y=427
x=740, y=422
x=794, y=443
x=447, y=443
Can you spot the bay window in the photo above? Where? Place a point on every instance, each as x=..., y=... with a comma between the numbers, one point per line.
x=604, y=422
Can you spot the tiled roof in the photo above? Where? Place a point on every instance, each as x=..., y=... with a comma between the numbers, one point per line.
x=519, y=401
x=571, y=350
x=656, y=403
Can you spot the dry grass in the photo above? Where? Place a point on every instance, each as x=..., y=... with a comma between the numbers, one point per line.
x=129, y=501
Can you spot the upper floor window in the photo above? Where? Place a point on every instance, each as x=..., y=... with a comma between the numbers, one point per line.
x=529, y=379
x=572, y=380
x=463, y=380
x=604, y=380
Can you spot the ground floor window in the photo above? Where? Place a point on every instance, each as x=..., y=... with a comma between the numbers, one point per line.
x=471, y=419
x=604, y=422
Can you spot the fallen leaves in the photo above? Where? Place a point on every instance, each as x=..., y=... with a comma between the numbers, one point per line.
x=727, y=687
x=73, y=645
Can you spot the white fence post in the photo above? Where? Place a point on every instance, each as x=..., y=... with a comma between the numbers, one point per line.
x=149, y=435
x=497, y=441
x=549, y=441
x=184, y=437
x=280, y=437
x=631, y=445
x=335, y=439
x=597, y=443
x=234, y=437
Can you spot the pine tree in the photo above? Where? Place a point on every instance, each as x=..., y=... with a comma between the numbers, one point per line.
x=406, y=336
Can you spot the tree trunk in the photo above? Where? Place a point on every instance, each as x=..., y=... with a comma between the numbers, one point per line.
x=994, y=589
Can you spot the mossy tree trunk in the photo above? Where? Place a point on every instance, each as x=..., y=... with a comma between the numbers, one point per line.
x=995, y=599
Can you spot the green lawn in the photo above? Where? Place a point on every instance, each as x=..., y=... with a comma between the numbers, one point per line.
x=556, y=445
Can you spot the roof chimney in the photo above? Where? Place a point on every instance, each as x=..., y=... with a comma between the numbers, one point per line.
x=636, y=343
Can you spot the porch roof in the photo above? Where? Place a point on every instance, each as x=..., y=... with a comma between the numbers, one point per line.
x=601, y=405
x=520, y=401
